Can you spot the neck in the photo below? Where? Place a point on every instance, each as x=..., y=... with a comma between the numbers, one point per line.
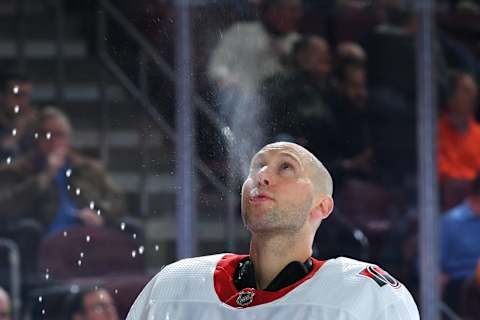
x=271, y=253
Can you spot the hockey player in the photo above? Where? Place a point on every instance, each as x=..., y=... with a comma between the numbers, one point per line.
x=284, y=199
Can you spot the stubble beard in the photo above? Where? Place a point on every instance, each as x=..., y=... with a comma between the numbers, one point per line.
x=277, y=220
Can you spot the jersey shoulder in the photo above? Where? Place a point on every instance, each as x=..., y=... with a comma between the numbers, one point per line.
x=190, y=266
x=369, y=285
x=360, y=273
x=179, y=277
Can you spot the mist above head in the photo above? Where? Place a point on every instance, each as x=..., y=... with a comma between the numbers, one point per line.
x=245, y=135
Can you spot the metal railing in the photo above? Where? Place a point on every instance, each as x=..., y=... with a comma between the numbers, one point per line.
x=147, y=53
x=15, y=277
x=20, y=36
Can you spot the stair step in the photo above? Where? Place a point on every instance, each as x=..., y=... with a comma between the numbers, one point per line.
x=9, y=7
x=90, y=138
x=121, y=116
x=79, y=92
x=9, y=26
x=43, y=48
x=79, y=70
x=158, y=183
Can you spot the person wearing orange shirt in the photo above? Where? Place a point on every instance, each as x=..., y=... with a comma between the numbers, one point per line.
x=459, y=140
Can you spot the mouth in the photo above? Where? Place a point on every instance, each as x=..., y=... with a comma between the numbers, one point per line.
x=260, y=198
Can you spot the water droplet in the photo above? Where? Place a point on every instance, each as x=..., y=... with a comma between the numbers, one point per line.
x=16, y=109
x=16, y=88
x=9, y=160
x=65, y=233
x=157, y=247
x=141, y=249
x=87, y=238
x=116, y=291
x=43, y=311
x=35, y=135
x=48, y=135
x=82, y=255
x=122, y=226
x=79, y=262
x=68, y=173
x=134, y=236
x=99, y=212
x=92, y=205
x=40, y=298
x=77, y=191
x=134, y=254
x=68, y=187
x=14, y=132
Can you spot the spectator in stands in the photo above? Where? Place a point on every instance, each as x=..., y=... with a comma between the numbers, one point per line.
x=350, y=52
x=460, y=238
x=458, y=138
x=352, y=119
x=92, y=304
x=16, y=114
x=391, y=70
x=55, y=185
x=5, y=305
x=297, y=99
x=390, y=48
x=249, y=52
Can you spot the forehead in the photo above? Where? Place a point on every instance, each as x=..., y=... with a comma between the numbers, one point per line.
x=54, y=123
x=283, y=149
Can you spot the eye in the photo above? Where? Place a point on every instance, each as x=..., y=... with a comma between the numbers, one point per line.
x=286, y=166
x=257, y=166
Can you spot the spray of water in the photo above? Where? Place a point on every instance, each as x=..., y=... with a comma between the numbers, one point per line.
x=244, y=114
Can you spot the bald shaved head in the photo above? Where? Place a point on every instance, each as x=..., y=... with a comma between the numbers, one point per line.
x=319, y=175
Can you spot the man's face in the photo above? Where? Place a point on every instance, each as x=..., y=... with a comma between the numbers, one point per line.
x=54, y=135
x=278, y=192
x=4, y=308
x=18, y=94
x=354, y=87
x=99, y=305
x=284, y=16
x=465, y=97
x=316, y=59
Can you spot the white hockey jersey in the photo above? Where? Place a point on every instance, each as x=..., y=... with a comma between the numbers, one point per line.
x=342, y=289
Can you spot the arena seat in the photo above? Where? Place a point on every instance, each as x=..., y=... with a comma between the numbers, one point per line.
x=87, y=257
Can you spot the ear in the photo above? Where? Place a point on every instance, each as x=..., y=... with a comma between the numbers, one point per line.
x=323, y=208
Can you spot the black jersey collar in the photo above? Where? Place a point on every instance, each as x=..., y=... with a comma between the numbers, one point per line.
x=294, y=271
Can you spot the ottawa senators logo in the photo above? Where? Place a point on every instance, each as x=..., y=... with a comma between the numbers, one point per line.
x=245, y=298
x=380, y=276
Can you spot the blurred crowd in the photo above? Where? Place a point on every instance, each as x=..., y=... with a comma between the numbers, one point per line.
x=53, y=198
x=350, y=99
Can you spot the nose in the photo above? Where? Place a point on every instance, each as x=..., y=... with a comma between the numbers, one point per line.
x=264, y=177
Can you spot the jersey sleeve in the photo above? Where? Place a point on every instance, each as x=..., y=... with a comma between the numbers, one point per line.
x=402, y=309
x=141, y=307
